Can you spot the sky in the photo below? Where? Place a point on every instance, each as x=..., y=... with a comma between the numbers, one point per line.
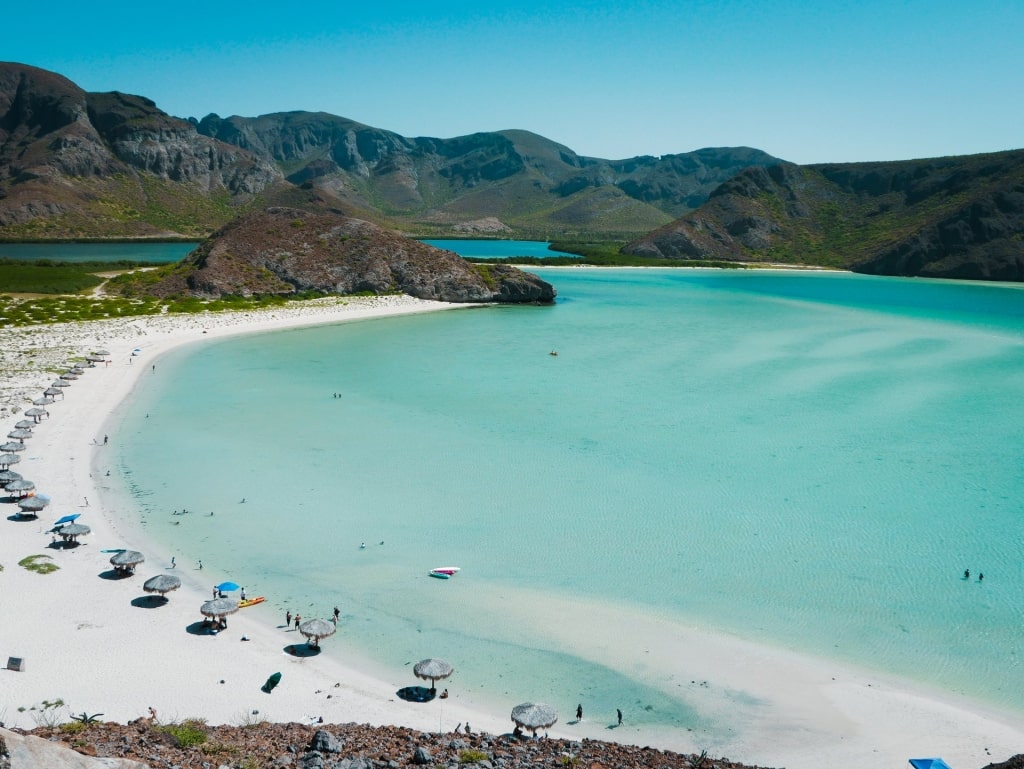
x=808, y=82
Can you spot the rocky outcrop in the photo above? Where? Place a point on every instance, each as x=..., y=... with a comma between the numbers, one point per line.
x=284, y=251
x=958, y=217
x=147, y=139
x=30, y=752
x=110, y=164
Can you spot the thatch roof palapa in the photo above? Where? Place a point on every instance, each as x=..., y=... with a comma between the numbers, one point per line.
x=432, y=669
x=315, y=629
x=534, y=716
x=162, y=584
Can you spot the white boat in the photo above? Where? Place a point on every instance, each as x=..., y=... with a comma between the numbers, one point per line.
x=448, y=571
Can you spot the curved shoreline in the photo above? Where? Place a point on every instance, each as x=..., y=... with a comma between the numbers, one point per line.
x=86, y=643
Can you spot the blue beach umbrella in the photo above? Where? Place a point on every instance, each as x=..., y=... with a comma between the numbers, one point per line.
x=928, y=763
x=66, y=519
x=227, y=587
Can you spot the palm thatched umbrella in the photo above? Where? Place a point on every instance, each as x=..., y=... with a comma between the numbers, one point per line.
x=21, y=487
x=6, y=460
x=69, y=375
x=433, y=669
x=104, y=353
x=8, y=476
x=44, y=401
x=126, y=561
x=95, y=358
x=33, y=505
x=72, y=531
x=36, y=414
x=162, y=584
x=53, y=392
x=25, y=424
x=534, y=716
x=19, y=435
x=60, y=383
x=218, y=609
x=315, y=629
x=13, y=446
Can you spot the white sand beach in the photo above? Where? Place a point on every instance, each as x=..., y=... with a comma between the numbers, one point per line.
x=85, y=642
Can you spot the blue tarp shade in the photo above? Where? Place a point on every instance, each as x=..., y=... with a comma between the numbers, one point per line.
x=929, y=763
x=227, y=587
x=67, y=519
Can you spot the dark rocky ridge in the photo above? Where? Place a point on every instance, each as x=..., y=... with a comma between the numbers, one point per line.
x=284, y=250
x=955, y=217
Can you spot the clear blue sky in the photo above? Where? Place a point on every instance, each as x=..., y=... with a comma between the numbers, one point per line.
x=806, y=81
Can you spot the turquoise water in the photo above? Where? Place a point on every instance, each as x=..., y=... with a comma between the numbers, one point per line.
x=807, y=459
x=497, y=249
x=98, y=252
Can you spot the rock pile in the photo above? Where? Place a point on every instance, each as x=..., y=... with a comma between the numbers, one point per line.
x=356, y=746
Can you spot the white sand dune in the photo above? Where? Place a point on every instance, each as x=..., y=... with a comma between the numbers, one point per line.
x=100, y=646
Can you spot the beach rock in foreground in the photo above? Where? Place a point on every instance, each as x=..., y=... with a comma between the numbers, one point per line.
x=27, y=752
x=283, y=250
x=358, y=746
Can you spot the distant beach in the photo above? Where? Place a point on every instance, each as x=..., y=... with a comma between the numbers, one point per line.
x=101, y=646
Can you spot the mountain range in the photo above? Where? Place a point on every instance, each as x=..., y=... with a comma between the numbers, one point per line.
x=954, y=217
x=80, y=164
x=75, y=164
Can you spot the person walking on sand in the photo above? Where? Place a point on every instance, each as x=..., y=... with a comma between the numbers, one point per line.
x=173, y=562
x=336, y=614
x=618, y=712
x=298, y=619
x=579, y=712
x=200, y=566
x=288, y=618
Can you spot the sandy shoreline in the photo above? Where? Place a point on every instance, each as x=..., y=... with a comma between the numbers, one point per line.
x=85, y=642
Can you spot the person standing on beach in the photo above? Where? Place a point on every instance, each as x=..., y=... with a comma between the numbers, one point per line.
x=288, y=618
x=336, y=615
x=298, y=619
x=579, y=712
x=618, y=712
x=200, y=566
x=173, y=562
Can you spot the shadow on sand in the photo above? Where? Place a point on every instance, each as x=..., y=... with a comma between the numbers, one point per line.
x=204, y=627
x=113, y=574
x=301, y=650
x=150, y=601
x=416, y=694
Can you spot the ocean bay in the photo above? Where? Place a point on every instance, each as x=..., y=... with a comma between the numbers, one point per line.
x=805, y=459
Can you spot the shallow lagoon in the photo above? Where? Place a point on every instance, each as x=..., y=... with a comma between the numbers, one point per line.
x=807, y=459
